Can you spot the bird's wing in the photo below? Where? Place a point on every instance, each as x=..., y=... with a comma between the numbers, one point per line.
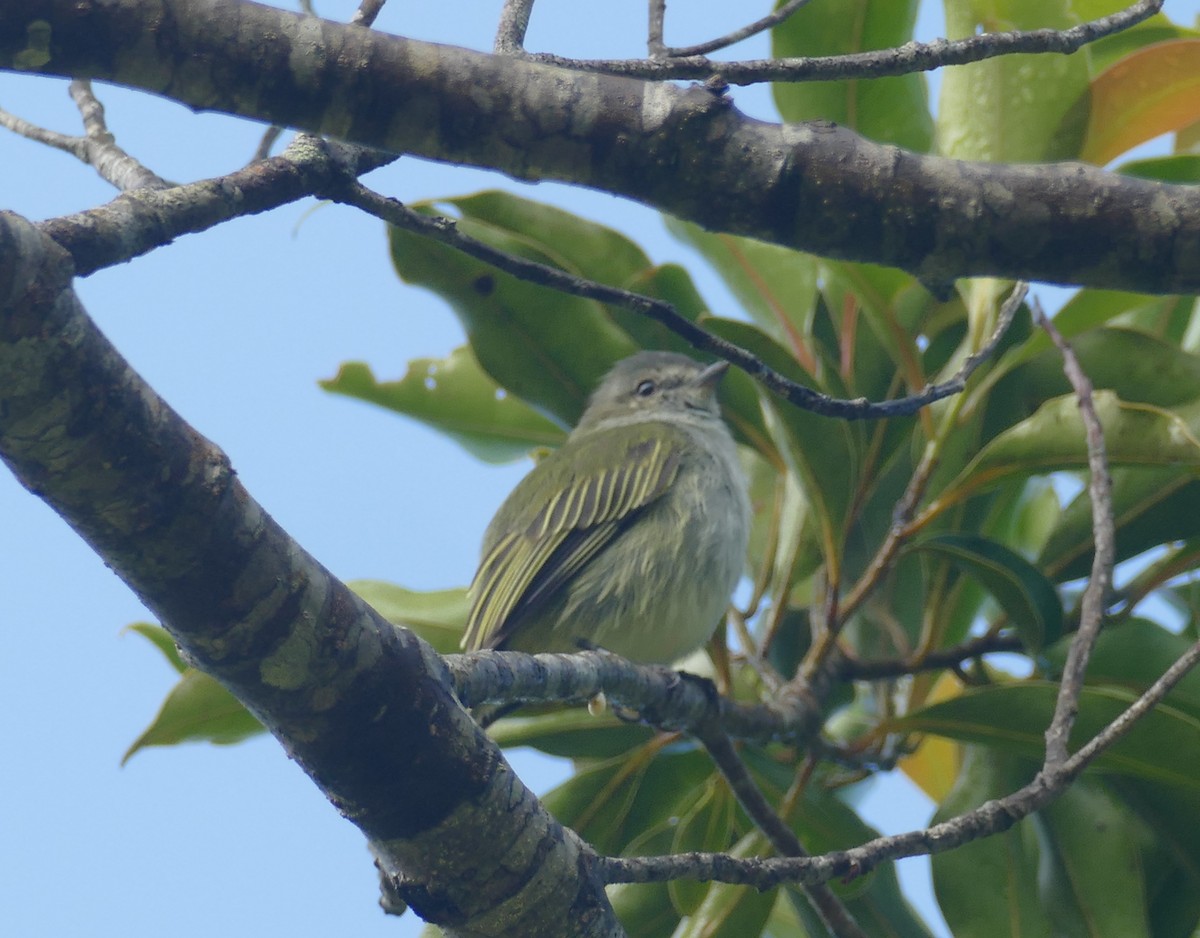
x=532, y=551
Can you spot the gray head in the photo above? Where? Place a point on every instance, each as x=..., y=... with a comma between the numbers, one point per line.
x=655, y=386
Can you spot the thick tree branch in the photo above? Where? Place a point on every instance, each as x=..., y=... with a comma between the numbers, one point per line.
x=815, y=187
x=137, y=222
x=363, y=707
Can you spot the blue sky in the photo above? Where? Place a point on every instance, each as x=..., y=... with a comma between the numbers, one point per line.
x=234, y=327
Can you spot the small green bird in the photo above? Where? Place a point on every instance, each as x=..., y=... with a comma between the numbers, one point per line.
x=632, y=535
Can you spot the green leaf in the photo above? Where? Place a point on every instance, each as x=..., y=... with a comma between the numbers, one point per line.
x=613, y=803
x=197, y=708
x=1105, y=52
x=1164, y=745
x=1172, y=861
x=1133, y=655
x=571, y=733
x=1181, y=168
x=707, y=827
x=826, y=453
x=548, y=348
x=988, y=887
x=671, y=284
x=1091, y=877
x=1150, y=507
x=1053, y=438
x=730, y=911
x=1018, y=586
x=162, y=640
x=438, y=616
x=891, y=110
x=1013, y=108
x=776, y=286
x=454, y=395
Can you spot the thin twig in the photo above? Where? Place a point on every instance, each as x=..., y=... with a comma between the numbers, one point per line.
x=859, y=670
x=829, y=907
x=96, y=147
x=366, y=13
x=514, y=22
x=654, y=33
x=729, y=39
x=989, y=818
x=906, y=59
x=1091, y=606
x=446, y=231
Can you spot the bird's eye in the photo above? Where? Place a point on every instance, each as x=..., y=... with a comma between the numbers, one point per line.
x=646, y=388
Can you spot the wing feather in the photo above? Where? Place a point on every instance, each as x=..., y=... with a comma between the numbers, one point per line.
x=532, y=550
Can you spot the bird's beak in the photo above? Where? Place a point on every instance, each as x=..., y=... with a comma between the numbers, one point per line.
x=711, y=376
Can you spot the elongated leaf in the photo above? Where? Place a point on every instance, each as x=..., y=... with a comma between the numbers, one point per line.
x=892, y=110
x=197, y=708
x=438, y=616
x=454, y=395
x=1093, y=873
x=1182, y=168
x=1172, y=864
x=1150, y=507
x=1018, y=586
x=1134, y=655
x=1147, y=93
x=548, y=348
x=571, y=733
x=1053, y=438
x=730, y=911
x=615, y=802
x=161, y=639
x=987, y=109
x=1109, y=50
x=706, y=827
x=989, y=887
x=937, y=762
x=826, y=453
x=776, y=286
x=1164, y=746
x=1136, y=366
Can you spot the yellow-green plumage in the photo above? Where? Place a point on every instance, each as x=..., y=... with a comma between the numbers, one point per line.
x=610, y=539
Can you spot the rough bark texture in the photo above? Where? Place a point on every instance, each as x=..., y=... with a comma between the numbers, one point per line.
x=686, y=151
x=363, y=707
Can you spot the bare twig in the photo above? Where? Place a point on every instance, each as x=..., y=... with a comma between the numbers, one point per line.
x=829, y=907
x=1094, y=596
x=729, y=39
x=366, y=13
x=263, y=150
x=906, y=59
x=989, y=818
x=138, y=222
x=97, y=147
x=445, y=231
x=857, y=670
x=514, y=21
x=655, y=47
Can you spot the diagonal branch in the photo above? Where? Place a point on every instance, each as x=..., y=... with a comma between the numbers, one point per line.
x=992, y=817
x=772, y=19
x=444, y=230
x=363, y=707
